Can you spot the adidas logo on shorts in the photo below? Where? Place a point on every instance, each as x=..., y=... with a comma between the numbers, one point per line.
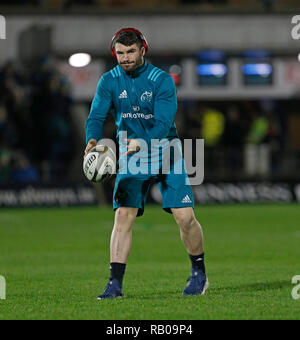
x=186, y=199
x=123, y=94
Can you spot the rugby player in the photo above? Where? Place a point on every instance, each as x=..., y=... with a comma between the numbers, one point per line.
x=142, y=99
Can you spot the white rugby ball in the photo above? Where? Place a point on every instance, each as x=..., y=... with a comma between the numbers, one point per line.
x=99, y=164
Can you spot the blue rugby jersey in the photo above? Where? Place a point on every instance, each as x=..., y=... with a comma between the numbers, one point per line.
x=143, y=103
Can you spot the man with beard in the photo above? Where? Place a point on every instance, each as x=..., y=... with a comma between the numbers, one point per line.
x=142, y=100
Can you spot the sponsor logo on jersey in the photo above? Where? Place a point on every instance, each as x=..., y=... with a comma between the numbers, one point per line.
x=137, y=115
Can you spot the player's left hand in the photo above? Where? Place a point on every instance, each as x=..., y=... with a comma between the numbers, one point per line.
x=133, y=146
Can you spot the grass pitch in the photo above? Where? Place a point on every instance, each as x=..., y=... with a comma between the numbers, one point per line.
x=56, y=261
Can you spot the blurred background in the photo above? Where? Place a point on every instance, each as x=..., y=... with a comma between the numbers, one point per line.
x=237, y=72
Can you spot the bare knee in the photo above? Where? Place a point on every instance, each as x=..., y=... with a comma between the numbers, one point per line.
x=187, y=223
x=186, y=220
x=124, y=218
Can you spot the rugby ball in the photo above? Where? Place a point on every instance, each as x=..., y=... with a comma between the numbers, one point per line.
x=99, y=164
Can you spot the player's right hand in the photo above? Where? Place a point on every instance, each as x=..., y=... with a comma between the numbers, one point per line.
x=92, y=143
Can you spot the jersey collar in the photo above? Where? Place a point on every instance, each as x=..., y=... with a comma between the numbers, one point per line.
x=138, y=71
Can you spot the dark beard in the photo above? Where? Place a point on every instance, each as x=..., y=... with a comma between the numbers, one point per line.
x=137, y=65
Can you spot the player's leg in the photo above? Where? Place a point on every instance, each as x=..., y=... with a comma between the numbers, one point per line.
x=129, y=201
x=178, y=199
x=120, y=242
x=190, y=230
x=121, y=237
x=192, y=237
x=120, y=245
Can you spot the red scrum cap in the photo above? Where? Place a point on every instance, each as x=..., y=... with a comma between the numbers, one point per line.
x=141, y=35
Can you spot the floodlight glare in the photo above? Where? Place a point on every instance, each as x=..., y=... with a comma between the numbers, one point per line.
x=80, y=59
